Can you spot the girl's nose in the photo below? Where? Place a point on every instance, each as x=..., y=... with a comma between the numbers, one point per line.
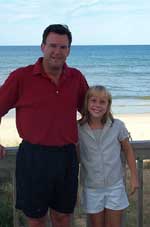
x=97, y=104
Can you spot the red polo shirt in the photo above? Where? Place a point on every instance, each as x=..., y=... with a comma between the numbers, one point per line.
x=45, y=112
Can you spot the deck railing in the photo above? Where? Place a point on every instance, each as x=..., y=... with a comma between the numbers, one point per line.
x=142, y=152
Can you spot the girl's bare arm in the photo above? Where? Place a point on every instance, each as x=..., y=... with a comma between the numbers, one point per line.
x=130, y=156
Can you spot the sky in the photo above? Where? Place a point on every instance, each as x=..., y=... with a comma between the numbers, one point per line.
x=92, y=22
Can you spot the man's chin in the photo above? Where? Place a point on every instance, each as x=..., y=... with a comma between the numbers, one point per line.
x=56, y=66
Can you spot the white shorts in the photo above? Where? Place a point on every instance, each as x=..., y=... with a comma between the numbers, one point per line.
x=112, y=197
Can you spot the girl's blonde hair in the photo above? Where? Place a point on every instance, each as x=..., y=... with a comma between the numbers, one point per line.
x=92, y=91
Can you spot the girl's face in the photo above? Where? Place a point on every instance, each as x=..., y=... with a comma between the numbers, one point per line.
x=98, y=105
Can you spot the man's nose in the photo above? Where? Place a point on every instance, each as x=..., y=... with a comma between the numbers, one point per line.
x=57, y=49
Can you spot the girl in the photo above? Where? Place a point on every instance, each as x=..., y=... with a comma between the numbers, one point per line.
x=101, y=139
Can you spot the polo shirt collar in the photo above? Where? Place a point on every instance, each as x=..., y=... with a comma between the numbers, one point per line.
x=38, y=67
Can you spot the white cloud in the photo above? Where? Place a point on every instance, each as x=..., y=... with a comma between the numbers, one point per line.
x=18, y=10
x=91, y=21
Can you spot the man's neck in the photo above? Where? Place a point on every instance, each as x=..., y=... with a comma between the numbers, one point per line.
x=53, y=73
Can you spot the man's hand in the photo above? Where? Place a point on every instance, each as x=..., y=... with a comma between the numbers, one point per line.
x=2, y=152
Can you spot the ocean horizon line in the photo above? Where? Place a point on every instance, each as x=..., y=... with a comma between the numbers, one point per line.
x=36, y=45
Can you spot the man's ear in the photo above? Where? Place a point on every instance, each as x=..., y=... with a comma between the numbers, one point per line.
x=42, y=47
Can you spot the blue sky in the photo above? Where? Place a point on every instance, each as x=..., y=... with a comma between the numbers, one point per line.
x=91, y=21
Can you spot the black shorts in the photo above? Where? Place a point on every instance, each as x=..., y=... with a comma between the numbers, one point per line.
x=46, y=177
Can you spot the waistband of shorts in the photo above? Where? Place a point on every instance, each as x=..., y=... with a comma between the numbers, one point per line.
x=65, y=147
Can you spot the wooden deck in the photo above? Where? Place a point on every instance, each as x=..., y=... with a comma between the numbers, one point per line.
x=142, y=152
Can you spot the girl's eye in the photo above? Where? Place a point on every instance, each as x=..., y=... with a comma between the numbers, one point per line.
x=93, y=100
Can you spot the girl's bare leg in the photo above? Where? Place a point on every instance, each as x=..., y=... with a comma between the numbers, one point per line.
x=97, y=220
x=113, y=218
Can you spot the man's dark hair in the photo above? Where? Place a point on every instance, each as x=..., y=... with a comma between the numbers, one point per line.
x=59, y=29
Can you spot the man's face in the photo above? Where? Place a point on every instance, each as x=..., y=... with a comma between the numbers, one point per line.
x=55, y=50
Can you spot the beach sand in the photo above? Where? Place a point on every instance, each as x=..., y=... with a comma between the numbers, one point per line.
x=137, y=124
x=8, y=132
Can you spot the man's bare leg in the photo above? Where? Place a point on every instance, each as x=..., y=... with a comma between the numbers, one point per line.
x=60, y=219
x=37, y=222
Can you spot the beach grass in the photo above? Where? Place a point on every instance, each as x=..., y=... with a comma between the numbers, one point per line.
x=131, y=211
x=6, y=208
x=6, y=203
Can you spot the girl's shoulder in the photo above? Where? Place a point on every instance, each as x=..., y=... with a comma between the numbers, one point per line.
x=84, y=128
x=81, y=126
x=118, y=122
x=121, y=129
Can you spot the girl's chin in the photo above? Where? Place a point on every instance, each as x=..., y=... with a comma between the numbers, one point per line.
x=96, y=117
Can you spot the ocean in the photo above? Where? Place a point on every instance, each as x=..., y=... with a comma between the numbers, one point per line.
x=123, y=69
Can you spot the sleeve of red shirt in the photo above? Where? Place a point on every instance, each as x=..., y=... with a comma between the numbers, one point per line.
x=8, y=94
x=83, y=89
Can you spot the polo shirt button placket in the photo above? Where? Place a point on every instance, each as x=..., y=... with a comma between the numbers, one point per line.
x=57, y=92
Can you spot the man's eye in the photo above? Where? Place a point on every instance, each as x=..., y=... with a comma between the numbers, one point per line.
x=52, y=45
x=63, y=47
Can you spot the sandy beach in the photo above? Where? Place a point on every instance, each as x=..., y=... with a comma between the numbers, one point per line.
x=8, y=132
x=137, y=124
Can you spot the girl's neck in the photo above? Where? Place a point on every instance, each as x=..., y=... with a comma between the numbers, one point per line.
x=96, y=123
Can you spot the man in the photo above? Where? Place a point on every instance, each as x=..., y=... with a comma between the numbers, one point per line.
x=46, y=96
